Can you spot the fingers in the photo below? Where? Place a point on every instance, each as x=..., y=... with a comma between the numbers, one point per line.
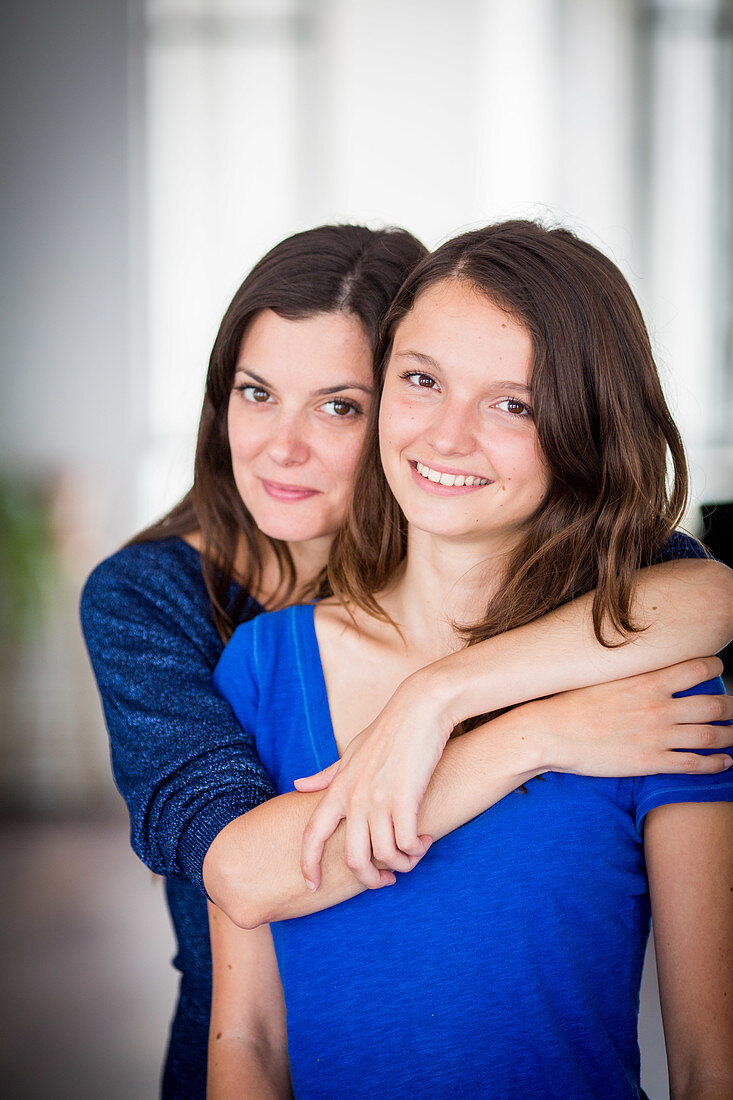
x=319, y=780
x=694, y=763
x=359, y=852
x=384, y=847
x=405, y=830
x=689, y=674
x=696, y=737
x=322, y=824
x=366, y=839
x=703, y=708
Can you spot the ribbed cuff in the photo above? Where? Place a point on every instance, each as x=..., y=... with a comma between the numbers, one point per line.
x=198, y=835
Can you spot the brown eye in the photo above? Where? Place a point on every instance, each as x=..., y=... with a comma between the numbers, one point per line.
x=417, y=378
x=253, y=393
x=516, y=408
x=341, y=409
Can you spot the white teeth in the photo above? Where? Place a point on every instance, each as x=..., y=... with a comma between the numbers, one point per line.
x=449, y=479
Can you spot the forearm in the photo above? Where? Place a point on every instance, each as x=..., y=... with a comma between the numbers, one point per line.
x=702, y=1087
x=252, y=870
x=241, y=1071
x=248, y=1045
x=685, y=607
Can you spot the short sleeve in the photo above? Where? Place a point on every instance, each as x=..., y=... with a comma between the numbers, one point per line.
x=181, y=761
x=660, y=790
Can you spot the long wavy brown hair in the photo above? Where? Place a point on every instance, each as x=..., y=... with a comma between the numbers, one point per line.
x=331, y=269
x=618, y=476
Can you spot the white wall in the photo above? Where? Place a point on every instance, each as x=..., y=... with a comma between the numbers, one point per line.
x=66, y=402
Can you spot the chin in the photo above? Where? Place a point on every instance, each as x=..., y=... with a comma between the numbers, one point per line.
x=289, y=531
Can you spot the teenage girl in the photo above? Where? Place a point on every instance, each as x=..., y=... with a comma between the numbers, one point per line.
x=524, y=442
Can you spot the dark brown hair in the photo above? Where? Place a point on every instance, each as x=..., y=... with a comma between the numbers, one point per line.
x=332, y=269
x=602, y=422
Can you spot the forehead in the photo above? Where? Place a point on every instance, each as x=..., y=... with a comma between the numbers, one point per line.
x=325, y=349
x=455, y=324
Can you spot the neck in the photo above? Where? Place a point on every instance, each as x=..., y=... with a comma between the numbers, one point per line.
x=309, y=558
x=442, y=585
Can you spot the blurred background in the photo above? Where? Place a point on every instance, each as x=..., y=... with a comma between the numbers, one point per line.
x=152, y=150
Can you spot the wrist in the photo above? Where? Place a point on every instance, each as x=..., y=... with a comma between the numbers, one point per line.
x=445, y=688
x=529, y=744
x=552, y=748
x=532, y=744
x=427, y=692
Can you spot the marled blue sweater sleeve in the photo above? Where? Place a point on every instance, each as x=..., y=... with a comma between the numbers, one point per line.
x=180, y=759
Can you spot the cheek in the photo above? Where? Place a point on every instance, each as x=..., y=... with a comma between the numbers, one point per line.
x=397, y=425
x=341, y=456
x=522, y=466
x=244, y=433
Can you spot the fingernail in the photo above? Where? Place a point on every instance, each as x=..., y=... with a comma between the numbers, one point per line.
x=310, y=884
x=727, y=762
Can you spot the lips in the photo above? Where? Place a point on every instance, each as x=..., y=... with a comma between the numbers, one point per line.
x=278, y=490
x=451, y=481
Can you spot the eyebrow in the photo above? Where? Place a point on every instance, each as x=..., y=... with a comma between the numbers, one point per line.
x=428, y=361
x=325, y=391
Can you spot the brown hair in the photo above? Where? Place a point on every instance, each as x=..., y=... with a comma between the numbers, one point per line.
x=332, y=269
x=602, y=423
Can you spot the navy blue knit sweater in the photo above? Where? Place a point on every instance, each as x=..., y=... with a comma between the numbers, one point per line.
x=180, y=759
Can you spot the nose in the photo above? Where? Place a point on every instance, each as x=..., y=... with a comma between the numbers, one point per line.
x=288, y=445
x=452, y=428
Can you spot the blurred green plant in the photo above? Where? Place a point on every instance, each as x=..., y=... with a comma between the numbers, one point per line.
x=26, y=554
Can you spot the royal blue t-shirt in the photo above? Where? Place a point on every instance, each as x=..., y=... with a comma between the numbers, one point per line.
x=507, y=964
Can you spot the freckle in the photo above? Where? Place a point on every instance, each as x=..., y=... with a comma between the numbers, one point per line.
x=503, y=488
x=229, y=966
x=218, y=1035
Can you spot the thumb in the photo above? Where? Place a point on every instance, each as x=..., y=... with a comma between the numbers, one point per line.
x=319, y=781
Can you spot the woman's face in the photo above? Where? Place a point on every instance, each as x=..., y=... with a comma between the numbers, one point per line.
x=458, y=443
x=296, y=420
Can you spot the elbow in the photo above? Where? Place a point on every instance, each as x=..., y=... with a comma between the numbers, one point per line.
x=224, y=885
x=718, y=601
x=706, y=600
x=246, y=913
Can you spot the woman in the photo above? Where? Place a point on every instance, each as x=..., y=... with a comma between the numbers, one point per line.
x=155, y=614
x=524, y=440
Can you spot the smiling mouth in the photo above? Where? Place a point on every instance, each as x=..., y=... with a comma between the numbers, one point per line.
x=441, y=477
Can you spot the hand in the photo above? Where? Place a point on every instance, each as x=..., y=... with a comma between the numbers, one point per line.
x=378, y=786
x=633, y=726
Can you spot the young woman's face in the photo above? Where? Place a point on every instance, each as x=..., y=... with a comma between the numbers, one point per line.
x=297, y=418
x=458, y=443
